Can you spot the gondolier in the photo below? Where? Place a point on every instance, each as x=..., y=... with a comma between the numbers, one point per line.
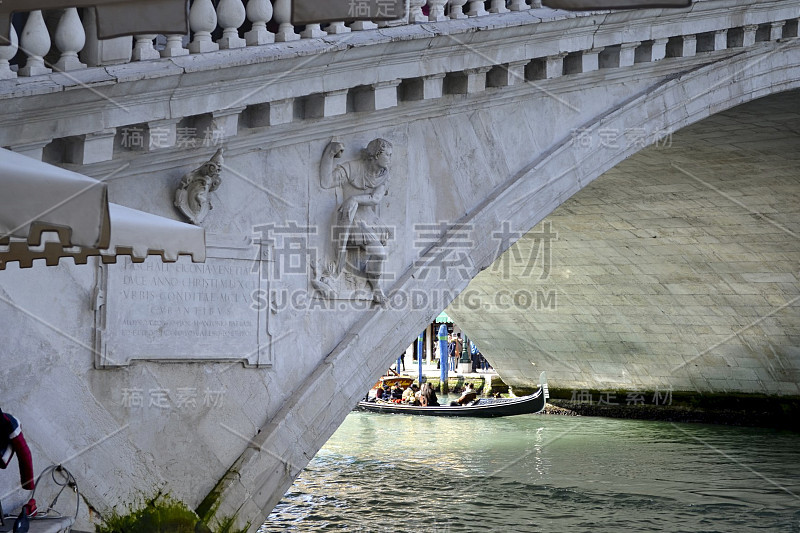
x=12, y=441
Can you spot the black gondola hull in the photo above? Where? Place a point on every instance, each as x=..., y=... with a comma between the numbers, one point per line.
x=487, y=408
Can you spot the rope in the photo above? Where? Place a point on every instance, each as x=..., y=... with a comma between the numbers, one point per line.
x=62, y=478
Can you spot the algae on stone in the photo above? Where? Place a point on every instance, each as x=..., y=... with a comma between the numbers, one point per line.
x=161, y=514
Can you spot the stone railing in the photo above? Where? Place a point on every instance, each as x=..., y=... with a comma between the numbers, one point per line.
x=402, y=64
x=65, y=36
x=66, y=41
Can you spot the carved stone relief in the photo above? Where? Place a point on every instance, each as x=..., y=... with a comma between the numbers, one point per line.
x=192, y=197
x=359, y=235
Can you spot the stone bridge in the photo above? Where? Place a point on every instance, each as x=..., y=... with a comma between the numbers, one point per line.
x=217, y=383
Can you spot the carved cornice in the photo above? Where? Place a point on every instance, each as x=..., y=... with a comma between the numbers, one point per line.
x=101, y=98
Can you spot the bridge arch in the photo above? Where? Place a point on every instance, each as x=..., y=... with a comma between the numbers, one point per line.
x=676, y=270
x=306, y=420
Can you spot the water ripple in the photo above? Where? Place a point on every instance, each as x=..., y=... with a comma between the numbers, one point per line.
x=531, y=473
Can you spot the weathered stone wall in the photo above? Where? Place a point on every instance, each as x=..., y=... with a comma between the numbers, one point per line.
x=677, y=269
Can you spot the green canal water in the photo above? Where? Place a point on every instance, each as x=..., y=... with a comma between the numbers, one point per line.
x=398, y=473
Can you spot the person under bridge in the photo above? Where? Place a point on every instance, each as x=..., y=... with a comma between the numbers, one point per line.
x=13, y=441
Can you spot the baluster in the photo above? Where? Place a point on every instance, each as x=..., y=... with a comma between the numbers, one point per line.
x=415, y=14
x=202, y=21
x=400, y=20
x=7, y=53
x=70, y=39
x=283, y=16
x=313, y=31
x=35, y=43
x=259, y=12
x=498, y=6
x=360, y=25
x=536, y=4
x=477, y=8
x=143, y=49
x=336, y=27
x=518, y=5
x=457, y=9
x=174, y=46
x=231, y=15
x=437, y=10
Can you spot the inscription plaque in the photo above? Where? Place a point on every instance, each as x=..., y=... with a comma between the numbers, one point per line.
x=180, y=312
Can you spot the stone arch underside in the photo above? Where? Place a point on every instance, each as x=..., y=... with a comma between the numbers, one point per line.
x=676, y=270
x=290, y=439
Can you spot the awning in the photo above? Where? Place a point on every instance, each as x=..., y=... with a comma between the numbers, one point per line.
x=443, y=319
x=133, y=233
x=114, y=17
x=314, y=11
x=37, y=196
x=47, y=212
x=140, y=234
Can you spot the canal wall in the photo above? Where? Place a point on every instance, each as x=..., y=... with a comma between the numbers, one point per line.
x=485, y=384
x=728, y=409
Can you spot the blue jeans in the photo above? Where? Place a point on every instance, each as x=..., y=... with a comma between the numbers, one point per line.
x=453, y=363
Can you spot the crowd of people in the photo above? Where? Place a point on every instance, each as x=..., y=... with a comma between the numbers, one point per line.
x=457, y=347
x=411, y=395
x=455, y=350
x=423, y=397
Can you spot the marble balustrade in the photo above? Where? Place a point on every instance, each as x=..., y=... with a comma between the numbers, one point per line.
x=240, y=23
x=58, y=41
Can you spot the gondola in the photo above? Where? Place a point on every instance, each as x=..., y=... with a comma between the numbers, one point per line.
x=484, y=407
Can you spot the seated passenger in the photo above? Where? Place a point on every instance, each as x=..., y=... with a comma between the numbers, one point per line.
x=427, y=396
x=396, y=392
x=466, y=397
x=409, y=393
